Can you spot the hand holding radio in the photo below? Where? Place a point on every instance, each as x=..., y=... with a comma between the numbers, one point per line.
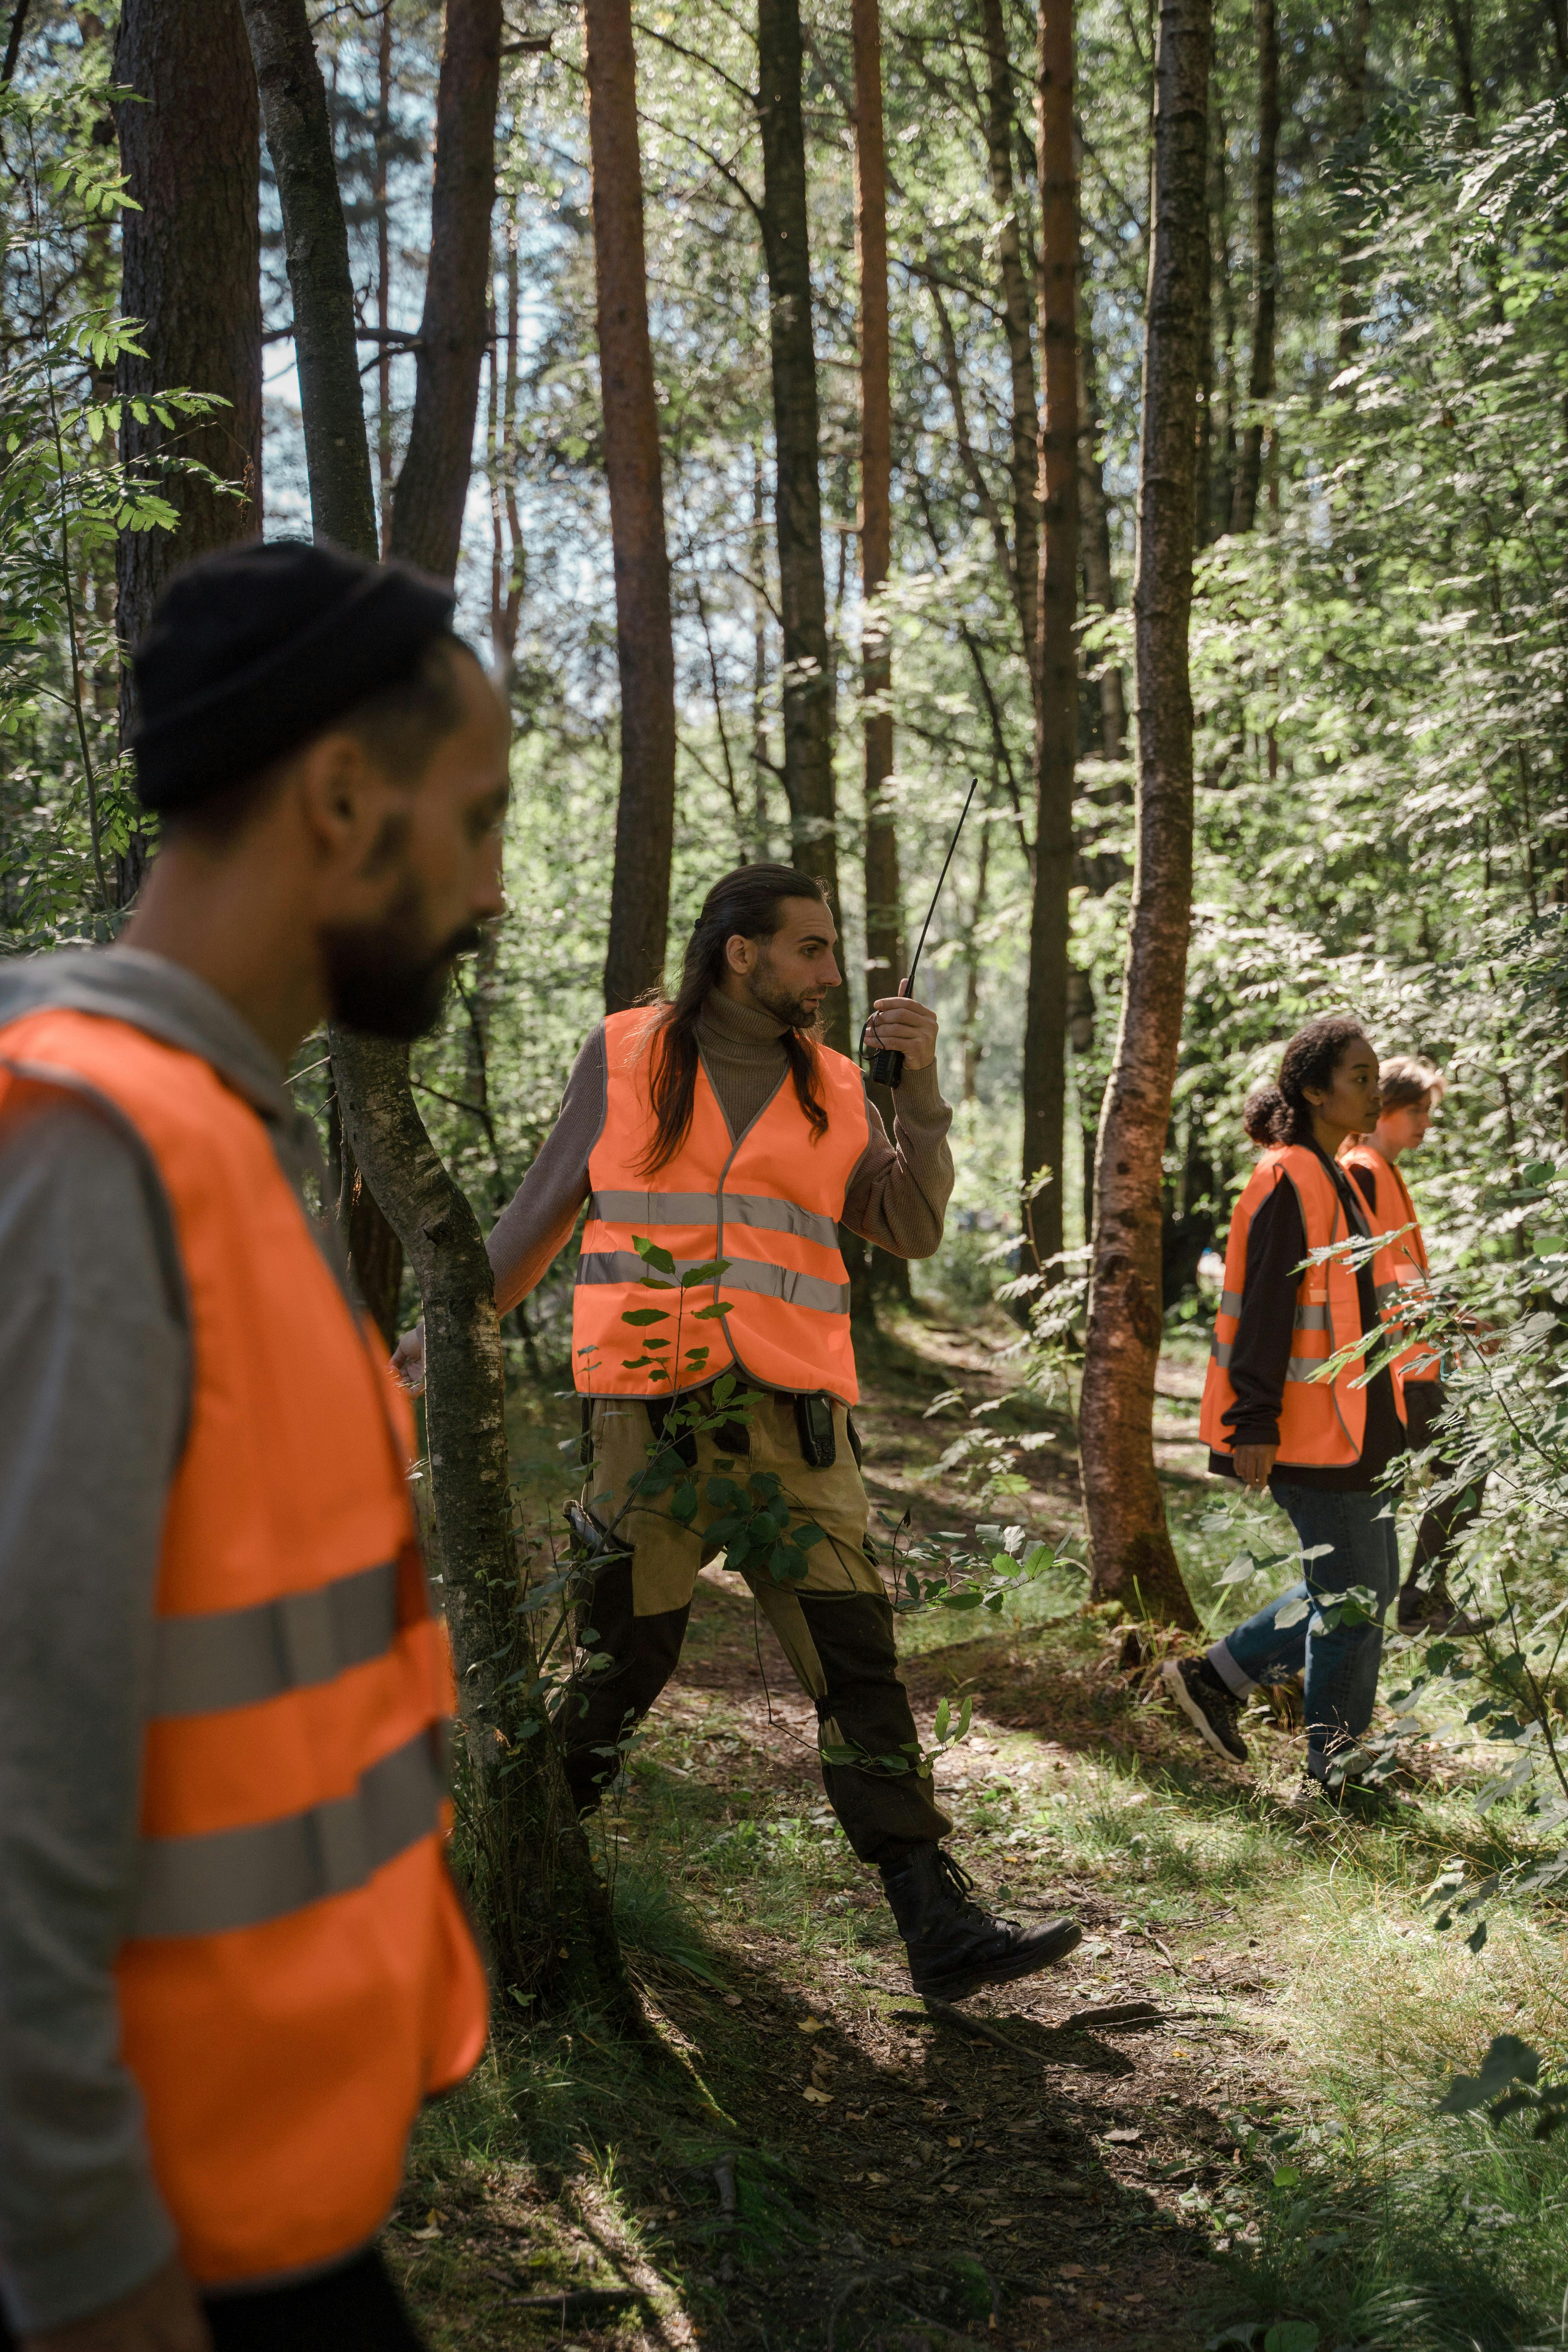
x=899, y=1025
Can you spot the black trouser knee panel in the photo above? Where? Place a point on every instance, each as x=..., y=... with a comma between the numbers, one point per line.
x=603, y=1703
x=883, y=1813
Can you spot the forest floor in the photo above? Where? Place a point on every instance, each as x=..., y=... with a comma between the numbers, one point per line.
x=803, y=2157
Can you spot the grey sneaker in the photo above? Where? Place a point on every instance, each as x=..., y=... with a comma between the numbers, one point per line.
x=1210, y=1705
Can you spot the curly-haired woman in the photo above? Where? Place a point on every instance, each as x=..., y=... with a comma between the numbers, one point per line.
x=1321, y=1446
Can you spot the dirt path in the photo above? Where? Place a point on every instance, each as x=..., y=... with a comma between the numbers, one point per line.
x=1047, y=2167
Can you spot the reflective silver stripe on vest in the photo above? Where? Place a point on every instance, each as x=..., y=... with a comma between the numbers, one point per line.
x=767, y=1281
x=754, y=1209
x=236, y=1657
x=1312, y=1318
x=1220, y=1350
x=1230, y=1302
x=206, y=1885
x=1386, y=1295
x=1304, y=1368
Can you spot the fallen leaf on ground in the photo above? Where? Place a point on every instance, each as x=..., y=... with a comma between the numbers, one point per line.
x=818, y=2098
x=734, y=2001
x=810, y=2025
x=1122, y=2138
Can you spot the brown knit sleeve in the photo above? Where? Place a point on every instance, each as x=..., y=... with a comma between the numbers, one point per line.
x=536, y=1224
x=898, y=1194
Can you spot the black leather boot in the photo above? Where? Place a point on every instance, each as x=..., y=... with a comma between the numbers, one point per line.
x=954, y=1946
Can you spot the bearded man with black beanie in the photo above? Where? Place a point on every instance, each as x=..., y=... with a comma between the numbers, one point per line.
x=719, y=1129
x=232, y=1961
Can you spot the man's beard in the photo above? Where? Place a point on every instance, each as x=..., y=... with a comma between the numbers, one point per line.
x=793, y=1011
x=384, y=977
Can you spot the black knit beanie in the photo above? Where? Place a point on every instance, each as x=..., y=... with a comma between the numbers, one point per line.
x=253, y=650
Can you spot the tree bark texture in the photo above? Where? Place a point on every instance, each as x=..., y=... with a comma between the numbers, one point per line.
x=1056, y=721
x=884, y=912
x=1094, y=542
x=644, y=814
x=316, y=245
x=884, y=896
x=190, y=146
x=337, y=454
x=797, y=495
x=1133, y=1559
x=1358, y=40
x=1001, y=130
x=544, y=1911
x=1265, y=265
x=427, y=505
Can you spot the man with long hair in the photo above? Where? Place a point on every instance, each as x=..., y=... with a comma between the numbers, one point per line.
x=719, y=1133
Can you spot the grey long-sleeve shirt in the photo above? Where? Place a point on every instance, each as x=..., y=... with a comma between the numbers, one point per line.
x=896, y=1196
x=95, y=1377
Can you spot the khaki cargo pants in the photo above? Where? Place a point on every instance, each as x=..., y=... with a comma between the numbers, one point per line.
x=835, y=1626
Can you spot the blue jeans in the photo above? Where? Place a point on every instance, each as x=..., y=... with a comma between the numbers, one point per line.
x=1338, y=1664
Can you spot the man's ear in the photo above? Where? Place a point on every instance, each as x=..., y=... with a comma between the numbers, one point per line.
x=740, y=953
x=340, y=796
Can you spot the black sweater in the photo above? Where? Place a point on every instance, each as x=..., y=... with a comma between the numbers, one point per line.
x=1260, y=1351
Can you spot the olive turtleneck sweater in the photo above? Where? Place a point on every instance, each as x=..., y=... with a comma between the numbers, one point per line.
x=896, y=1196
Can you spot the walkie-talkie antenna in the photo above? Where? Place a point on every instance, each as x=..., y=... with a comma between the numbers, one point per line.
x=887, y=1066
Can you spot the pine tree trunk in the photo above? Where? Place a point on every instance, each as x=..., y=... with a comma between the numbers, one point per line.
x=1056, y=727
x=546, y=1914
x=797, y=497
x=427, y=504
x=1000, y=134
x=1261, y=381
x=1133, y=1559
x=645, y=814
x=191, y=256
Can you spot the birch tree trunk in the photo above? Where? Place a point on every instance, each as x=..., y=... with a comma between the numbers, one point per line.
x=1265, y=263
x=545, y=1913
x=1056, y=721
x=1133, y=1560
x=191, y=256
x=645, y=812
x=797, y=495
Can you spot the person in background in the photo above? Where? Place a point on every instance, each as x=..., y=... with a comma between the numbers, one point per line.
x=1409, y=1089
x=1323, y=1447
x=233, y=1962
x=719, y=1126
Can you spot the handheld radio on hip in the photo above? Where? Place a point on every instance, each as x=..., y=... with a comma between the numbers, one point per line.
x=886, y=1065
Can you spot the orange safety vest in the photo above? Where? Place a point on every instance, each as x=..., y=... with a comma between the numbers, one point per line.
x=769, y=1204
x=297, y=1974
x=1400, y=1265
x=1322, y=1422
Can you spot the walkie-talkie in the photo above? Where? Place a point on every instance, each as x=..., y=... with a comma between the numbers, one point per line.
x=886, y=1065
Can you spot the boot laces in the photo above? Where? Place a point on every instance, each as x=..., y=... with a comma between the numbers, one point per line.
x=961, y=1887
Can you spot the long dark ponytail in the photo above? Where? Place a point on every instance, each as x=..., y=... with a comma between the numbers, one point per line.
x=1280, y=1113
x=749, y=902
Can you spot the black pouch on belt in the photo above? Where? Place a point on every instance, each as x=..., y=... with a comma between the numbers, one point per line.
x=814, y=1427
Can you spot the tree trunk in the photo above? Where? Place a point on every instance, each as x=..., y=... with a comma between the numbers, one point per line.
x=427, y=505
x=1056, y=727
x=380, y=199
x=336, y=456
x=645, y=812
x=1132, y=1555
x=797, y=495
x=1000, y=132
x=316, y=245
x=1261, y=381
x=1461, y=34
x=546, y=1914
x=1355, y=123
x=1094, y=544
x=191, y=255
x=883, y=1272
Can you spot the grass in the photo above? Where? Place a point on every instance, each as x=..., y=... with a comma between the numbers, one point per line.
x=1286, y=2170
